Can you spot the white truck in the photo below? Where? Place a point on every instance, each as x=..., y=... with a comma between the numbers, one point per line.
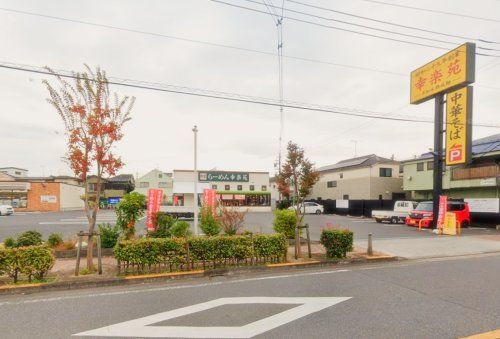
x=401, y=210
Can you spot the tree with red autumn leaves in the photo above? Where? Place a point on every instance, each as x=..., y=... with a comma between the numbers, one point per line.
x=93, y=120
x=296, y=179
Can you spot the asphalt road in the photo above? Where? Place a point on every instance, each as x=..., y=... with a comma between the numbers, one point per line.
x=71, y=222
x=445, y=298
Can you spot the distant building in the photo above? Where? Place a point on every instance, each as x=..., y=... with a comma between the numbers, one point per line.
x=14, y=171
x=41, y=194
x=156, y=179
x=112, y=189
x=238, y=189
x=478, y=180
x=363, y=178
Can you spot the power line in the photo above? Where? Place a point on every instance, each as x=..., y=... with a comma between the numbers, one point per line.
x=207, y=43
x=393, y=24
x=433, y=11
x=370, y=27
x=161, y=87
x=347, y=30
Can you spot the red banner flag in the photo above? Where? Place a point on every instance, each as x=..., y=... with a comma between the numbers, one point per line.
x=154, y=201
x=443, y=207
x=209, y=199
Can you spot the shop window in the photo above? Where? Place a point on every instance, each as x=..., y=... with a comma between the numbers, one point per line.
x=430, y=165
x=385, y=172
x=252, y=188
x=227, y=187
x=240, y=187
x=144, y=184
x=214, y=187
x=420, y=166
x=264, y=188
x=331, y=184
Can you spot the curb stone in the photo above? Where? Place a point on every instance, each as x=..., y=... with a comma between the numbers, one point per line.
x=147, y=278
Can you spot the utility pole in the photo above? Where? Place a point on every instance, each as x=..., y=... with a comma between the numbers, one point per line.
x=195, y=131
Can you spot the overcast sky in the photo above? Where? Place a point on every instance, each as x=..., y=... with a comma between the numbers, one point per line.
x=232, y=135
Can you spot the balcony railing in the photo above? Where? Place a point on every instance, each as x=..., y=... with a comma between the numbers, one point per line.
x=480, y=172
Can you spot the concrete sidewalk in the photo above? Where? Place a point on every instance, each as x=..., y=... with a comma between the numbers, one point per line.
x=436, y=246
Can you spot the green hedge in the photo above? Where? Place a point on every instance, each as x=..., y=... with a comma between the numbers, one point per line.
x=337, y=242
x=31, y=261
x=189, y=253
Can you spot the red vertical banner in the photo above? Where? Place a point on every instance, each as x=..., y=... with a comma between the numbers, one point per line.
x=176, y=200
x=154, y=201
x=209, y=199
x=443, y=207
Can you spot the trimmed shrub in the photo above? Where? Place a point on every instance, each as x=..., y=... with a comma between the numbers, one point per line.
x=337, y=242
x=33, y=261
x=109, y=235
x=231, y=220
x=9, y=242
x=285, y=222
x=54, y=240
x=209, y=223
x=180, y=229
x=270, y=245
x=162, y=223
x=29, y=238
x=36, y=261
x=216, y=250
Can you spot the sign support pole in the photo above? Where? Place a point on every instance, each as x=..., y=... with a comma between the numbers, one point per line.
x=438, y=156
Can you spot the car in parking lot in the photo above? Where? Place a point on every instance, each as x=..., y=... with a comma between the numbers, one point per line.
x=423, y=213
x=6, y=210
x=309, y=207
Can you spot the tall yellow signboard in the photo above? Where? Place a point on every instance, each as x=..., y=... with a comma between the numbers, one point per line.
x=458, y=126
x=449, y=71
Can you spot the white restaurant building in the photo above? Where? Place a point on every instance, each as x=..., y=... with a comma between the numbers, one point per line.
x=248, y=190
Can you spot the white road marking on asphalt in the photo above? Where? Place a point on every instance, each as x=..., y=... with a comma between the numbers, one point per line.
x=168, y=288
x=142, y=327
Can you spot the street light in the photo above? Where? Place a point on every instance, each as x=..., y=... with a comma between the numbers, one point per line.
x=195, y=131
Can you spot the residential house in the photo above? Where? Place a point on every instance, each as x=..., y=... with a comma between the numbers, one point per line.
x=363, y=178
x=478, y=181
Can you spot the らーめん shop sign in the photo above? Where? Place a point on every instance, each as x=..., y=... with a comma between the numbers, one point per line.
x=450, y=71
x=224, y=176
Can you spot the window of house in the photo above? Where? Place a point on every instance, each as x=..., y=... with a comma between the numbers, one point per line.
x=252, y=187
x=420, y=166
x=18, y=173
x=401, y=168
x=239, y=187
x=430, y=165
x=331, y=184
x=341, y=175
x=214, y=187
x=227, y=187
x=160, y=175
x=346, y=197
x=264, y=188
x=385, y=172
x=163, y=184
x=143, y=184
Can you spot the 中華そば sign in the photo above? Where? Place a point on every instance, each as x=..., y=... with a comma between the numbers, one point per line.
x=458, y=126
x=450, y=71
x=224, y=176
